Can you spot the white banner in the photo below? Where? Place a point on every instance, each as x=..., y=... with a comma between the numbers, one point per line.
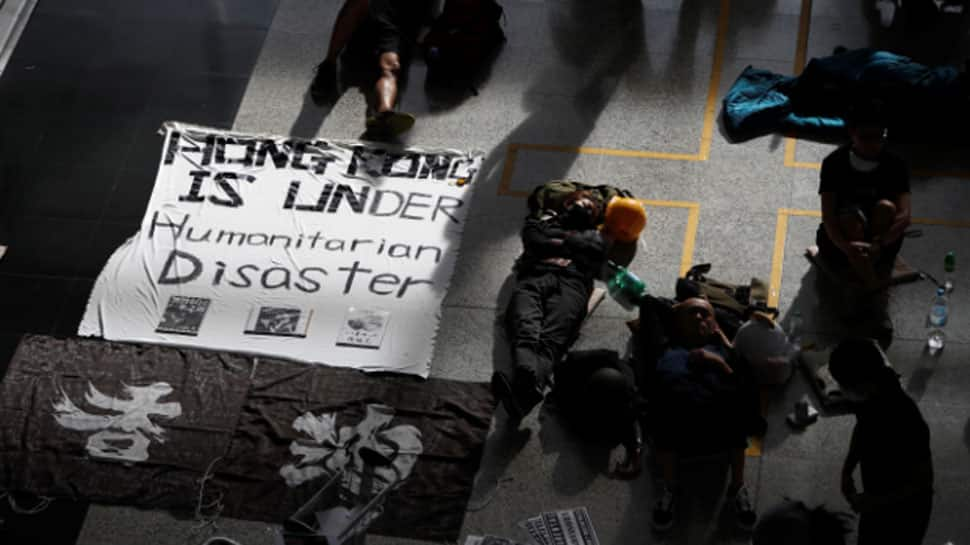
x=318, y=251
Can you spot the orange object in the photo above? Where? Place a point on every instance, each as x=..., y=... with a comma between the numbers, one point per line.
x=625, y=219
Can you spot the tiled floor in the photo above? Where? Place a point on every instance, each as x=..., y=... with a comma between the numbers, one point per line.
x=594, y=80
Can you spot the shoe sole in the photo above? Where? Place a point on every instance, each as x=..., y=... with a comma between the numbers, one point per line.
x=393, y=125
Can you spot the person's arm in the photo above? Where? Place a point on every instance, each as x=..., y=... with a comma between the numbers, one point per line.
x=848, y=467
x=830, y=220
x=540, y=239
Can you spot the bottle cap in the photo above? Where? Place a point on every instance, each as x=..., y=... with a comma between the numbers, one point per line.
x=940, y=291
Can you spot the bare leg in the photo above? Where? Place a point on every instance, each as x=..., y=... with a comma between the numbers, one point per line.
x=883, y=216
x=351, y=15
x=854, y=231
x=386, y=87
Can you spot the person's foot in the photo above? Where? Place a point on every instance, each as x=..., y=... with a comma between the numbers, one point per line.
x=744, y=514
x=389, y=123
x=324, y=83
x=662, y=518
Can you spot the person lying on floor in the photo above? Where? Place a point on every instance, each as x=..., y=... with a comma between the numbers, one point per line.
x=595, y=392
x=865, y=197
x=562, y=254
x=701, y=400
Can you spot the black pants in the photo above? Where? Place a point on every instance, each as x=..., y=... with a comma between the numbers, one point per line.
x=595, y=393
x=543, y=319
x=902, y=524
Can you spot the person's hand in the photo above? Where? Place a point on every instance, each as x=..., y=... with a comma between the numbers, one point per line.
x=857, y=249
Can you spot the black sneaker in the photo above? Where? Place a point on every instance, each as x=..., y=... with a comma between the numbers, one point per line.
x=389, y=124
x=324, y=85
x=663, y=511
x=744, y=514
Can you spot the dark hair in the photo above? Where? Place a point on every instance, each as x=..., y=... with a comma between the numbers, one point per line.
x=866, y=113
x=858, y=360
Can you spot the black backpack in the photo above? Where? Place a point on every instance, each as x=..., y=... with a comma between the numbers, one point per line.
x=463, y=39
x=733, y=304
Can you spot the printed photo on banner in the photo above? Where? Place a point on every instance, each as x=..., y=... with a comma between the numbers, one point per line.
x=328, y=252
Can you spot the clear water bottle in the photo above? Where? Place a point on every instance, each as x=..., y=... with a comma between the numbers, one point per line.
x=949, y=266
x=625, y=287
x=935, y=340
x=939, y=310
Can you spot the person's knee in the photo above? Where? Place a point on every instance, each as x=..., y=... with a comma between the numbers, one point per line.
x=608, y=385
x=390, y=65
x=884, y=208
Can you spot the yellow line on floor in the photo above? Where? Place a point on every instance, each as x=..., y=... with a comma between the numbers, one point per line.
x=754, y=447
x=707, y=128
x=713, y=88
x=801, y=50
x=778, y=257
x=587, y=150
x=690, y=236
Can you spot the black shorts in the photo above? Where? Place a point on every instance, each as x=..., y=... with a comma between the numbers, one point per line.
x=394, y=25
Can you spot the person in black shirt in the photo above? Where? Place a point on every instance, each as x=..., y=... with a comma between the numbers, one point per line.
x=390, y=26
x=562, y=253
x=865, y=200
x=890, y=444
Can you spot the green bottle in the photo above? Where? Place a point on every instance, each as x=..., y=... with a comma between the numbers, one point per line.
x=949, y=265
x=625, y=287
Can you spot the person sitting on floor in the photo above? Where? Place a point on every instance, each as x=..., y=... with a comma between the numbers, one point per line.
x=890, y=444
x=390, y=27
x=700, y=399
x=595, y=391
x=562, y=254
x=865, y=198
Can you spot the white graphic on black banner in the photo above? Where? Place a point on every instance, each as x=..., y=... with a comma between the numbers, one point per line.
x=247, y=221
x=360, y=465
x=125, y=436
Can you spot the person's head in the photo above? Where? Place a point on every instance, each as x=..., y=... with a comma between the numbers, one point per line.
x=866, y=124
x=859, y=366
x=694, y=321
x=581, y=210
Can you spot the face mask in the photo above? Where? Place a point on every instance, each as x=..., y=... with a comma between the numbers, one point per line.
x=860, y=164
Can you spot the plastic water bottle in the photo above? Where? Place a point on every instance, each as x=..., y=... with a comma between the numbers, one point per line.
x=939, y=310
x=625, y=287
x=949, y=266
x=935, y=340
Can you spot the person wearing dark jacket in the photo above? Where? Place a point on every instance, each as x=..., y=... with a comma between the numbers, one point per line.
x=891, y=446
x=562, y=254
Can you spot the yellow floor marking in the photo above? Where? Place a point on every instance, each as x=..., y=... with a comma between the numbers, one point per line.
x=754, y=447
x=707, y=129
